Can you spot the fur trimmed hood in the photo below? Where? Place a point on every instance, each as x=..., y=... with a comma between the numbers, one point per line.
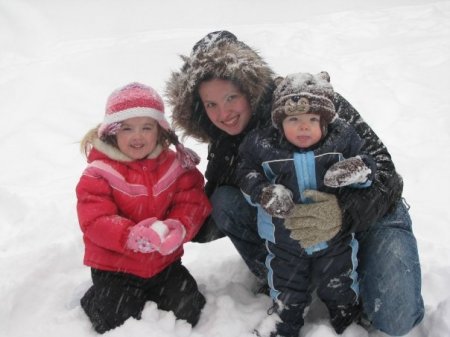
x=218, y=55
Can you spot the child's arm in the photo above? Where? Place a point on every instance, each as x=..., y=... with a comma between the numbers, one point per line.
x=358, y=169
x=98, y=214
x=356, y=172
x=275, y=199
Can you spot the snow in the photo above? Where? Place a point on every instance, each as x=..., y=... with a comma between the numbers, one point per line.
x=59, y=61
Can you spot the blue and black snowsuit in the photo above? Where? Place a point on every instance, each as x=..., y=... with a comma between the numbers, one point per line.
x=266, y=157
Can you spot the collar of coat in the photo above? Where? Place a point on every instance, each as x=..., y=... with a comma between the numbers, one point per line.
x=114, y=153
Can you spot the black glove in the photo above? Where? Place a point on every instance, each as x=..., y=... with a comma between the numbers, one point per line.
x=277, y=200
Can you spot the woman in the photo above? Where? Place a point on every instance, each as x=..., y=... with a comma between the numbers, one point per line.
x=223, y=91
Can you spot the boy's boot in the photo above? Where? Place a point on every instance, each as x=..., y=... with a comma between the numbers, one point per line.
x=282, y=321
x=344, y=315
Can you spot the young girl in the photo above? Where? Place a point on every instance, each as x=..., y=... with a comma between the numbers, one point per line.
x=138, y=202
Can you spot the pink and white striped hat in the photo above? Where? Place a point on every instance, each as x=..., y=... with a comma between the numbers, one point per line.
x=139, y=100
x=133, y=100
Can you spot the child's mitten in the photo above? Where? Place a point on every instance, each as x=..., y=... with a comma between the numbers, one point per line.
x=175, y=234
x=143, y=238
x=277, y=200
x=347, y=172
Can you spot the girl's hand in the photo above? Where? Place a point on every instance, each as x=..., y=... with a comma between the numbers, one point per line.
x=154, y=235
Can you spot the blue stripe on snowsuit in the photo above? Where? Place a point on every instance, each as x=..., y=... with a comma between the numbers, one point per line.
x=274, y=293
x=305, y=170
x=354, y=245
x=266, y=228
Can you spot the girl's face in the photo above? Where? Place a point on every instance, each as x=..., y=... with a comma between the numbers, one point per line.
x=138, y=137
x=302, y=130
x=226, y=106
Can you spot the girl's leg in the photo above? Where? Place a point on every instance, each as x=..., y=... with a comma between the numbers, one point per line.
x=113, y=298
x=174, y=289
x=390, y=273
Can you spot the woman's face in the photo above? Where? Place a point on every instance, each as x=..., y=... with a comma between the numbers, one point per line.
x=226, y=106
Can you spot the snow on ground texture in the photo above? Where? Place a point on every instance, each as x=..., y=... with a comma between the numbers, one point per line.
x=60, y=60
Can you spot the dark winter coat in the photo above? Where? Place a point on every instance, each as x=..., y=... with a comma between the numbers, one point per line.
x=266, y=157
x=115, y=193
x=221, y=55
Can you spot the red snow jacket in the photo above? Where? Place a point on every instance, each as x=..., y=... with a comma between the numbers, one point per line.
x=115, y=195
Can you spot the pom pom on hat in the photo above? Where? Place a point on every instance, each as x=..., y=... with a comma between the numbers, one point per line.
x=139, y=100
x=133, y=100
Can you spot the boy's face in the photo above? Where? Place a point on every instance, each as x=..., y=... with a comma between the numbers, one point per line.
x=302, y=130
x=138, y=137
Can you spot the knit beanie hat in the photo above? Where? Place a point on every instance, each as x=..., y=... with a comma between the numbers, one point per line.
x=139, y=100
x=303, y=93
x=133, y=100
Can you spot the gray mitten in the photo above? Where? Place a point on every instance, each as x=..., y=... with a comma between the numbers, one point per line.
x=316, y=222
x=277, y=200
x=347, y=172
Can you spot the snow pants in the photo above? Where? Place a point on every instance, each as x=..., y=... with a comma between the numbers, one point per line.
x=293, y=274
x=114, y=297
x=389, y=268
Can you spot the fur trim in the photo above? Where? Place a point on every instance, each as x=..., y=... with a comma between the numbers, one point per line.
x=225, y=58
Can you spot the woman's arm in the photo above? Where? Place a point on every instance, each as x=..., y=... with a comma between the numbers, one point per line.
x=363, y=207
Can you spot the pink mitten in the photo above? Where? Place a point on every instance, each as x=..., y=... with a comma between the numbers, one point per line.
x=174, y=237
x=143, y=238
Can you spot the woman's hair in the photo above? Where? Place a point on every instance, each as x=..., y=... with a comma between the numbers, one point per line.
x=165, y=138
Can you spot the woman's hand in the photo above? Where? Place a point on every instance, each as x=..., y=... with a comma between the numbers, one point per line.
x=315, y=222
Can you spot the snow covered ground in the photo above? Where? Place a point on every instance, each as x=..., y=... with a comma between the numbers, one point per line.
x=59, y=60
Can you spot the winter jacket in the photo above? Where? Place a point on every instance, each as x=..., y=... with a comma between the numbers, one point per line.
x=266, y=157
x=115, y=193
x=221, y=55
